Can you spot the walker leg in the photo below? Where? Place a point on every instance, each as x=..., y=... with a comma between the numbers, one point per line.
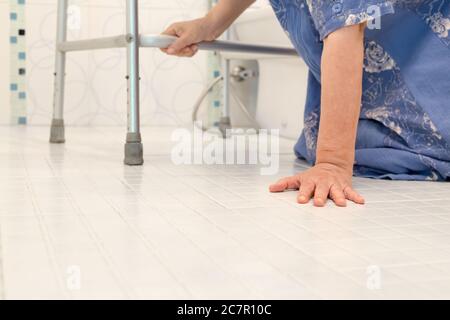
x=134, y=153
x=57, y=134
x=225, y=120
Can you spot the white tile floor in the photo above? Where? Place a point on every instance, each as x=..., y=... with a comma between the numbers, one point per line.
x=76, y=223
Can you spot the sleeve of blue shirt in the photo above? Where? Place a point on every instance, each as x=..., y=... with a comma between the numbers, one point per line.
x=331, y=15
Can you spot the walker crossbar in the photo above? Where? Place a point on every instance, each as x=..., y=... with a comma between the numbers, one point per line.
x=163, y=41
x=132, y=41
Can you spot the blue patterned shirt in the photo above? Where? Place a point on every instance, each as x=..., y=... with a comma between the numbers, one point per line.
x=404, y=127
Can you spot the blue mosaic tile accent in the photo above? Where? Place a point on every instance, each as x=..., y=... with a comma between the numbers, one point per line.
x=18, y=57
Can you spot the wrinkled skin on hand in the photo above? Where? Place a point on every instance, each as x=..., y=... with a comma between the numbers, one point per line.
x=322, y=182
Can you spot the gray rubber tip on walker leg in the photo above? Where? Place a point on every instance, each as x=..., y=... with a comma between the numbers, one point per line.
x=134, y=150
x=57, y=132
x=225, y=126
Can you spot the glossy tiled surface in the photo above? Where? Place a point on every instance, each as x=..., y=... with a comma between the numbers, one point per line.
x=76, y=223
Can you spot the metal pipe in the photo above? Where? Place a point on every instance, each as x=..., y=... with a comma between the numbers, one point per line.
x=163, y=41
x=133, y=65
x=94, y=44
x=57, y=131
x=226, y=85
x=134, y=150
x=60, y=62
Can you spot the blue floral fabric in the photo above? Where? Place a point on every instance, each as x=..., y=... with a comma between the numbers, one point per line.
x=404, y=127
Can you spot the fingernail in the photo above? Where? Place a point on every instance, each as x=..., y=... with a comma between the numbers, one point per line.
x=302, y=198
x=170, y=51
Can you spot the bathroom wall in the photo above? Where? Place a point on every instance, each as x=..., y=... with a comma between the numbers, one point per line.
x=96, y=86
x=5, y=110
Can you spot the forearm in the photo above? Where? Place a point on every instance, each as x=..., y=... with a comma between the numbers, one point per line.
x=342, y=71
x=225, y=13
